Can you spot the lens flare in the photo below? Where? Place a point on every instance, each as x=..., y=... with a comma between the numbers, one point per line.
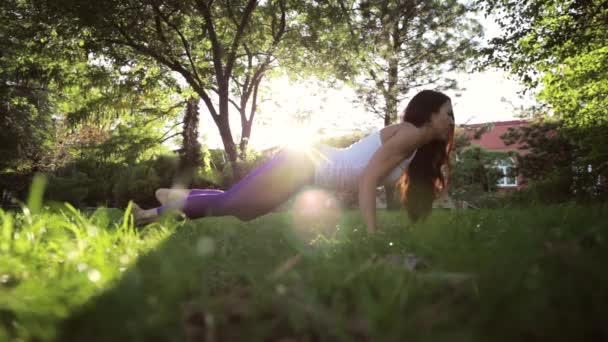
x=315, y=212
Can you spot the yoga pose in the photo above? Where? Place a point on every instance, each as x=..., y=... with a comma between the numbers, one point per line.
x=411, y=153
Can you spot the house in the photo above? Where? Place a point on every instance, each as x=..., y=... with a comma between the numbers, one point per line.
x=488, y=137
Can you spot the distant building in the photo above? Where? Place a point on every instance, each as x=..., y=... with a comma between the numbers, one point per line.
x=488, y=136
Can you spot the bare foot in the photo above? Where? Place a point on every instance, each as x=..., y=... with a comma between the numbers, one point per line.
x=142, y=216
x=166, y=196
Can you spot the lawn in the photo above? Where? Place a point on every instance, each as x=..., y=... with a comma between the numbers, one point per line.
x=535, y=274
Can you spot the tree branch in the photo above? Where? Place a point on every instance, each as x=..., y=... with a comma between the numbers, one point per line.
x=245, y=85
x=254, y=104
x=163, y=113
x=251, y=4
x=379, y=83
x=234, y=104
x=432, y=81
x=162, y=140
x=252, y=84
x=215, y=45
x=185, y=44
x=158, y=26
x=425, y=52
x=23, y=87
x=231, y=13
x=172, y=64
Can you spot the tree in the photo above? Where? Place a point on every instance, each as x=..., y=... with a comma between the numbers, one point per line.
x=221, y=49
x=560, y=46
x=405, y=45
x=539, y=35
x=62, y=107
x=24, y=80
x=190, y=153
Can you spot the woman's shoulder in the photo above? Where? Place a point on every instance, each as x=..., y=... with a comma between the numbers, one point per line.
x=398, y=131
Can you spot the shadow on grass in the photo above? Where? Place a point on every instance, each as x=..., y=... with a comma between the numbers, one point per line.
x=538, y=275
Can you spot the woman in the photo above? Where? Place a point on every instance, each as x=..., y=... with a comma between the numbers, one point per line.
x=412, y=152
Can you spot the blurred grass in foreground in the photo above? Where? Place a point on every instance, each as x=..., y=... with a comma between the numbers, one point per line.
x=479, y=275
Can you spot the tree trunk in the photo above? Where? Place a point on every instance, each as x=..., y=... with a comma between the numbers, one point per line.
x=247, y=120
x=229, y=147
x=390, y=116
x=221, y=119
x=245, y=134
x=190, y=153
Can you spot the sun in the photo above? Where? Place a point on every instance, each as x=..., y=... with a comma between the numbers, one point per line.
x=297, y=137
x=300, y=138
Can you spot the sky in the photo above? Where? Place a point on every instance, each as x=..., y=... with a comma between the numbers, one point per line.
x=301, y=110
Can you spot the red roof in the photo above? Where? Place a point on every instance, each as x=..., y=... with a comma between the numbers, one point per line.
x=490, y=140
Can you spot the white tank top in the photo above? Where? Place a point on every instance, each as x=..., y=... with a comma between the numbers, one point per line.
x=341, y=168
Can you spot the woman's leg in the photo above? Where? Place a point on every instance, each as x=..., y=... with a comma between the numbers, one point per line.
x=166, y=196
x=257, y=194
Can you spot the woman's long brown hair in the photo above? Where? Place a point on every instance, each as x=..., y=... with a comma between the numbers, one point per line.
x=424, y=179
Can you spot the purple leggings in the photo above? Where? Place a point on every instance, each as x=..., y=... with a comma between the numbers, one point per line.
x=210, y=202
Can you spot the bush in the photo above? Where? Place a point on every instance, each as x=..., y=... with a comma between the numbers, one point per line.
x=166, y=168
x=14, y=185
x=136, y=183
x=88, y=182
x=73, y=188
x=553, y=190
x=102, y=176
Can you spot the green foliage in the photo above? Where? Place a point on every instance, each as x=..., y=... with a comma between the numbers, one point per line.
x=561, y=46
x=68, y=113
x=474, y=172
x=104, y=93
x=24, y=79
x=577, y=88
x=53, y=261
x=225, y=176
x=558, y=167
x=34, y=200
x=546, y=149
x=87, y=181
x=73, y=188
x=58, y=99
x=552, y=189
x=538, y=36
x=136, y=183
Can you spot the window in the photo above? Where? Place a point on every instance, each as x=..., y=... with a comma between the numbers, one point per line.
x=509, y=178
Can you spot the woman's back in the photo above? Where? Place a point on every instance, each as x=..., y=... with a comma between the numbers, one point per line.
x=340, y=168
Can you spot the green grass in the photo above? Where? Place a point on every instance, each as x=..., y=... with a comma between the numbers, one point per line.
x=490, y=275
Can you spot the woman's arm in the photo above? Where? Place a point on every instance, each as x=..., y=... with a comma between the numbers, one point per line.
x=397, y=148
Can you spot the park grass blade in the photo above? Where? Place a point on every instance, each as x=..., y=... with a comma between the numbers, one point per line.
x=7, y=231
x=127, y=218
x=70, y=227
x=33, y=232
x=78, y=215
x=34, y=201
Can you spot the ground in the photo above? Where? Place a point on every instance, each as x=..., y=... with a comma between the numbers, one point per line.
x=530, y=274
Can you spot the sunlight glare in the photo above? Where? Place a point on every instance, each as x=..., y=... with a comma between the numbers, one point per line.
x=301, y=138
